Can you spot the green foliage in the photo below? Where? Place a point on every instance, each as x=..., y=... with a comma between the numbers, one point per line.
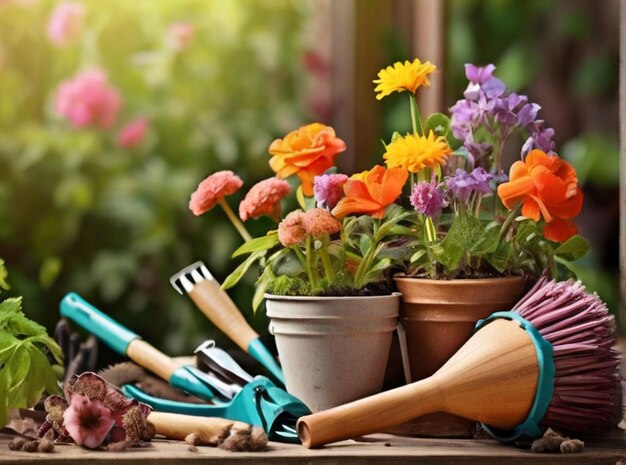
x=79, y=213
x=25, y=372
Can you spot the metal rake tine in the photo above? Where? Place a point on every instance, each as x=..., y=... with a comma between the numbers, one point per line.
x=288, y=429
x=182, y=276
x=285, y=434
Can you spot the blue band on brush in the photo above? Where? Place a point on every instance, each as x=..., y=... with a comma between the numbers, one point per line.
x=545, y=384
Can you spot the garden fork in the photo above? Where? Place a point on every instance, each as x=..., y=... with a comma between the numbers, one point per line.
x=218, y=307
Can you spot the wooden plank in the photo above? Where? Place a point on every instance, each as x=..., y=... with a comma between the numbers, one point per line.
x=375, y=449
x=622, y=183
x=429, y=44
x=357, y=57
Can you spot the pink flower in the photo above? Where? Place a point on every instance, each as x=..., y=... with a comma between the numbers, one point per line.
x=180, y=35
x=132, y=134
x=213, y=189
x=264, y=199
x=290, y=230
x=88, y=100
x=328, y=189
x=319, y=222
x=66, y=23
x=87, y=421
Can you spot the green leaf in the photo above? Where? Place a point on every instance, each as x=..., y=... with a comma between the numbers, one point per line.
x=25, y=372
x=438, y=123
x=9, y=310
x=364, y=243
x=300, y=197
x=417, y=255
x=3, y=276
x=238, y=272
x=261, y=286
x=574, y=248
x=257, y=244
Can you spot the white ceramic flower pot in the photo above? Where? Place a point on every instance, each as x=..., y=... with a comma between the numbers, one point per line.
x=333, y=350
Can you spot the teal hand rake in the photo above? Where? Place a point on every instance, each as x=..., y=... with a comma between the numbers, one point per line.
x=259, y=402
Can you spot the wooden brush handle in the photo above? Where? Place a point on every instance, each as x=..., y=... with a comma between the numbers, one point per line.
x=218, y=307
x=145, y=355
x=371, y=414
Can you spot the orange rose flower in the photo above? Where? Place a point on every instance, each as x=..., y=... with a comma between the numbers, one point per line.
x=371, y=191
x=305, y=152
x=545, y=186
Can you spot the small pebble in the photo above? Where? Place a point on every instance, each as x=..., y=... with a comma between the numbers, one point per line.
x=45, y=445
x=30, y=446
x=17, y=443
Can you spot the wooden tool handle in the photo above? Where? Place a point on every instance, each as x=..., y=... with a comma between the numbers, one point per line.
x=145, y=355
x=371, y=414
x=222, y=311
x=210, y=430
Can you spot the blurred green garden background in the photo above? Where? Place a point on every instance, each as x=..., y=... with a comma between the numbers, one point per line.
x=216, y=82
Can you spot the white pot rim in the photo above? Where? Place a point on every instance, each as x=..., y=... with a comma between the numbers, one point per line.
x=301, y=298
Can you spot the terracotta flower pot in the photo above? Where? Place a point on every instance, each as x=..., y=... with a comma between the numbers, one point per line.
x=333, y=350
x=439, y=317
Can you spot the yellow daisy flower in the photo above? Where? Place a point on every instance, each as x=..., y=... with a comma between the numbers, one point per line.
x=400, y=77
x=414, y=153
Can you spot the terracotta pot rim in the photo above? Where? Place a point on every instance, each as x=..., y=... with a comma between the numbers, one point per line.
x=312, y=298
x=457, y=282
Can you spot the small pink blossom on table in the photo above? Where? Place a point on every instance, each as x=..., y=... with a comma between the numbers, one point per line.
x=88, y=100
x=87, y=421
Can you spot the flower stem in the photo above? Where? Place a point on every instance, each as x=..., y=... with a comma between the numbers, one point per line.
x=416, y=120
x=507, y=223
x=431, y=232
x=300, y=255
x=311, y=264
x=328, y=267
x=234, y=220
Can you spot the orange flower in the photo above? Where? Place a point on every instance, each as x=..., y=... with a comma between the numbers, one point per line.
x=545, y=186
x=371, y=191
x=305, y=152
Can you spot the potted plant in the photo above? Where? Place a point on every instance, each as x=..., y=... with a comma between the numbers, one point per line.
x=477, y=234
x=327, y=282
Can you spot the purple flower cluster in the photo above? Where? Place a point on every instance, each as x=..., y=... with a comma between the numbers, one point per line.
x=487, y=105
x=464, y=184
x=428, y=198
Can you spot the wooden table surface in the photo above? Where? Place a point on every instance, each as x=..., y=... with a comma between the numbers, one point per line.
x=375, y=449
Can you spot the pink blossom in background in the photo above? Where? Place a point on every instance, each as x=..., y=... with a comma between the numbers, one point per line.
x=132, y=134
x=180, y=35
x=88, y=100
x=66, y=23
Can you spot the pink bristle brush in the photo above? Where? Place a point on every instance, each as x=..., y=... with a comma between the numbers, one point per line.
x=548, y=362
